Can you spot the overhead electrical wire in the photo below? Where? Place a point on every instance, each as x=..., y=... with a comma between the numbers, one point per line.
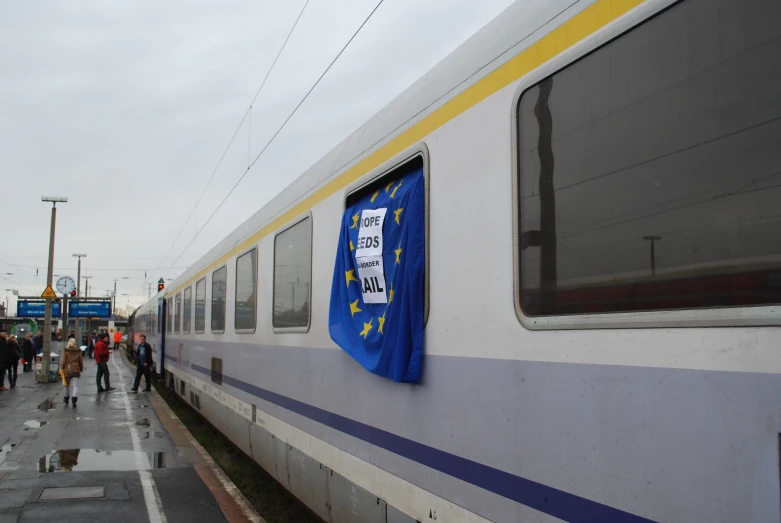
x=235, y=133
x=273, y=137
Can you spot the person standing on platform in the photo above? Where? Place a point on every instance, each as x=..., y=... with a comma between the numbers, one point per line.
x=38, y=342
x=14, y=355
x=102, y=356
x=72, y=366
x=144, y=361
x=117, y=339
x=4, y=357
x=91, y=346
x=28, y=352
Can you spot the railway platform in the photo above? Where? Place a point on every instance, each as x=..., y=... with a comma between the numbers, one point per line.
x=117, y=457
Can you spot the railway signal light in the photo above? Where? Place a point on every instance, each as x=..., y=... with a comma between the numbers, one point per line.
x=73, y=294
x=160, y=285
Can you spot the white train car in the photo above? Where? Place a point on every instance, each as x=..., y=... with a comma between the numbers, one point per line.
x=603, y=284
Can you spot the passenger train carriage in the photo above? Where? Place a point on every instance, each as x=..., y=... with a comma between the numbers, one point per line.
x=602, y=287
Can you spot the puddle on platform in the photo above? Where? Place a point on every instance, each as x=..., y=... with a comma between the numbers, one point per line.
x=32, y=424
x=144, y=422
x=153, y=435
x=5, y=450
x=83, y=419
x=81, y=460
x=46, y=406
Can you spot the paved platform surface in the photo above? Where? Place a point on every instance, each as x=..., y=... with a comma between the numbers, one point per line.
x=122, y=450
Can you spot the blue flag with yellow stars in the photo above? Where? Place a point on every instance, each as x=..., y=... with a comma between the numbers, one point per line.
x=377, y=294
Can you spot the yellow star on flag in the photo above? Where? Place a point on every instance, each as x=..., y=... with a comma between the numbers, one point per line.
x=350, y=276
x=352, y=247
x=375, y=195
x=367, y=327
x=392, y=292
x=398, y=254
x=355, y=221
x=381, y=321
x=396, y=188
x=354, y=307
x=397, y=212
x=387, y=187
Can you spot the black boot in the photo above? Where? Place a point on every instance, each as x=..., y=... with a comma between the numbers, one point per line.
x=73, y=399
x=67, y=399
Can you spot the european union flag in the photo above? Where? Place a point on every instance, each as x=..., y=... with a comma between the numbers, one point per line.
x=377, y=294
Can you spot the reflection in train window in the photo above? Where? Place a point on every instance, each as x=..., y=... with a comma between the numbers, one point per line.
x=177, y=312
x=169, y=311
x=246, y=286
x=650, y=170
x=219, y=279
x=200, y=306
x=187, y=310
x=292, y=272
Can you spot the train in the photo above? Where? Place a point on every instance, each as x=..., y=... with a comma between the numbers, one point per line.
x=602, y=287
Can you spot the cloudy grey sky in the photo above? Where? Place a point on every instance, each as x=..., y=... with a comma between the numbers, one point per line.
x=126, y=108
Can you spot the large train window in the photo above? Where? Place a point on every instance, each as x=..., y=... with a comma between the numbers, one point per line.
x=246, y=291
x=200, y=306
x=292, y=274
x=650, y=169
x=219, y=280
x=177, y=312
x=187, y=310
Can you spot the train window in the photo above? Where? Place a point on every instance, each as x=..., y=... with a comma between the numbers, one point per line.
x=200, y=305
x=219, y=279
x=292, y=273
x=650, y=170
x=169, y=310
x=245, y=296
x=177, y=312
x=187, y=310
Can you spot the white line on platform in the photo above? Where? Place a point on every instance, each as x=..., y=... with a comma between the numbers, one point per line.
x=154, y=505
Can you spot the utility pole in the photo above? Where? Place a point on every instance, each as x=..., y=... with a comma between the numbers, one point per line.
x=86, y=295
x=78, y=295
x=653, y=239
x=47, y=323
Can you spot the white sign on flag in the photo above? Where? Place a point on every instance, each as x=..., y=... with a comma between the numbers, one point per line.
x=370, y=233
x=368, y=256
x=372, y=277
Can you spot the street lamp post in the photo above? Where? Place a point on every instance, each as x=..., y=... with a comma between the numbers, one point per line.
x=43, y=377
x=78, y=295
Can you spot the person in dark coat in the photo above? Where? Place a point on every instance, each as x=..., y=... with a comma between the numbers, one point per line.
x=28, y=352
x=38, y=342
x=4, y=357
x=144, y=351
x=12, y=363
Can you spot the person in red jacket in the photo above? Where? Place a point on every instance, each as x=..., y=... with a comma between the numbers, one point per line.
x=101, y=356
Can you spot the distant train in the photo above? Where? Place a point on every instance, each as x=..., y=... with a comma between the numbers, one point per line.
x=603, y=284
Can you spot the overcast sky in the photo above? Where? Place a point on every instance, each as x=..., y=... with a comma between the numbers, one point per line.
x=126, y=108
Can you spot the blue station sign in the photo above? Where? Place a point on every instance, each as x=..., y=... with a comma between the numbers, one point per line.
x=89, y=309
x=37, y=309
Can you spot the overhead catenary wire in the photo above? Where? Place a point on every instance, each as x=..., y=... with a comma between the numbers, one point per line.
x=279, y=130
x=248, y=112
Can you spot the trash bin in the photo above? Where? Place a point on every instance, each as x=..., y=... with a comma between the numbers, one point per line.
x=54, y=365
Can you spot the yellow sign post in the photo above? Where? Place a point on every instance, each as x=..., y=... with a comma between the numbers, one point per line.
x=49, y=292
